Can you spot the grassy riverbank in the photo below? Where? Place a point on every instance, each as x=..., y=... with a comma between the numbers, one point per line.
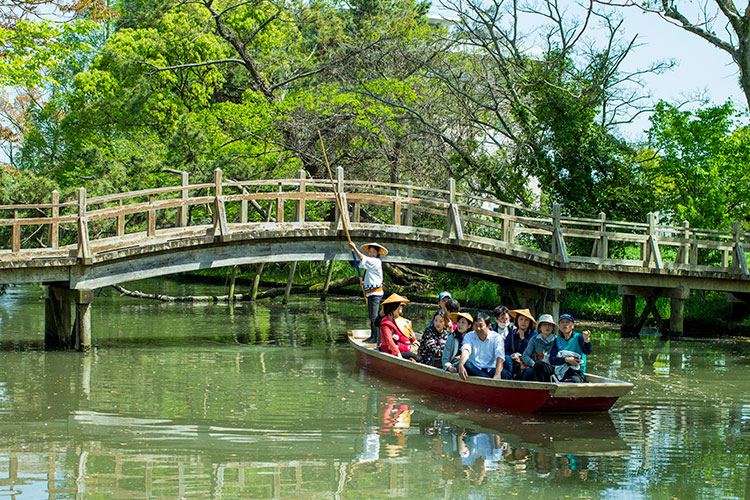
x=706, y=313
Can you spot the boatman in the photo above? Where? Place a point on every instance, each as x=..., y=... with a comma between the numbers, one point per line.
x=373, y=283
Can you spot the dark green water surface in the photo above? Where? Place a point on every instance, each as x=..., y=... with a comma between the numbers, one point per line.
x=181, y=401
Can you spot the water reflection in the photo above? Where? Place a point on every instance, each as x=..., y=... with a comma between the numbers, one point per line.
x=130, y=457
x=264, y=401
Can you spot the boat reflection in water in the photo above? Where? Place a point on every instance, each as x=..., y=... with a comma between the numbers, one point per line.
x=401, y=445
x=471, y=432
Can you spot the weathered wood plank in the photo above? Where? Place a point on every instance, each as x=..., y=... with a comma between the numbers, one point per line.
x=54, y=227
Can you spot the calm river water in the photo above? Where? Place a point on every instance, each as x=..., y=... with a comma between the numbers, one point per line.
x=215, y=402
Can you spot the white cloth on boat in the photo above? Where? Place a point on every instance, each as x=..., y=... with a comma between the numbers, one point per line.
x=484, y=354
x=560, y=370
x=373, y=267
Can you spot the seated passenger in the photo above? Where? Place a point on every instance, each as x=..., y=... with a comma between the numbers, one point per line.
x=502, y=321
x=536, y=354
x=483, y=352
x=393, y=341
x=568, y=354
x=443, y=299
x=452, y=350
x=433, y=340
x=452, y=306
x=516, y=342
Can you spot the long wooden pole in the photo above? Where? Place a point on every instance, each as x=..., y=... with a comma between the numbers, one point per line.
x=341, y=211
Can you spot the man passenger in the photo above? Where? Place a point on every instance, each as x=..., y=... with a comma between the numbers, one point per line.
x=483, y=351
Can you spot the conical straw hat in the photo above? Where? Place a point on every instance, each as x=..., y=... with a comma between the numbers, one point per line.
x=525, y=313
x=381, y=249
x=394, y=297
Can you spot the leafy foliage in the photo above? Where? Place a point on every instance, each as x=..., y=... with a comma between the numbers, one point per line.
x=701, y=170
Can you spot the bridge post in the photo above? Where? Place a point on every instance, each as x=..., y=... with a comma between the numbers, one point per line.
x=409, y=217
x=57, y=324
x=16, y=239
x=676, y=316
x=683, y=255
x=559, y=250
x=397, y=207
x=553, y=305
x=677, y=296
x=508, y=226
x=221, y=228
x=289, y=281
x=300, y=205
x=652, y=246
x=601, y=245
x=84, y=252
x=339, y=218
x=454, y=227
x=628, y=314
x=54, y=227
x=60, y=332
x=182, y=212
x=280, y=205
x=120, y=222
x=243, y=208
x=739, y=260
x=82, y=330
x=256, y=281
x=151, y=218
x=327, y=283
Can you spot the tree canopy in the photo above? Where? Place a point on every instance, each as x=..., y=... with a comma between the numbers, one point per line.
x=512, y=99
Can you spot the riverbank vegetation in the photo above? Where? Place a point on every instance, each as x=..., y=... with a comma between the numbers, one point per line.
x=518, y=101
x=706, y=313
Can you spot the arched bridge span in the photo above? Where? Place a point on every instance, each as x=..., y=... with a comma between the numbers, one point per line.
x=89, y=243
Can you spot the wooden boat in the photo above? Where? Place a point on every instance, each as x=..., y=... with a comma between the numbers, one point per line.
x=598, y=394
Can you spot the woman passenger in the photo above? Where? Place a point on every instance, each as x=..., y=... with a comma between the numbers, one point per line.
x=433, y=340
x=536, y=354
x=452, y=350
x=393, y=341
x=516, y=342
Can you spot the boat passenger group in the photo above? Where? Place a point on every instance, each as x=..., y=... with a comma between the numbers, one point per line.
x=527, y=349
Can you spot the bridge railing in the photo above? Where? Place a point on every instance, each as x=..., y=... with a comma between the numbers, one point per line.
x=85, y=226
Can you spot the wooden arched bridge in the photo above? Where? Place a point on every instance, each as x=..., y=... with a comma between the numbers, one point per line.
x=79, y=245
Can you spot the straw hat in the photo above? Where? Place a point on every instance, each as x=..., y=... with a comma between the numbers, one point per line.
x=394, y=297
x=381, y=249
x=525, y=313
x=547, y=318
x=454, y=317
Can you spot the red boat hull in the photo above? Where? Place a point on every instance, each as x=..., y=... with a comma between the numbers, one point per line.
x=517, y=396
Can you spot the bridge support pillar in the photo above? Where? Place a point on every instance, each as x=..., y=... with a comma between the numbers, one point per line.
x=289, y=282
x=82, y=330
x=60, y=332
x=627, y=323
x=632, y=327
x=676, y=316
x=537, y=300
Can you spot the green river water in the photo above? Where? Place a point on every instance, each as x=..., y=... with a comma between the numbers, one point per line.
x=181, y=401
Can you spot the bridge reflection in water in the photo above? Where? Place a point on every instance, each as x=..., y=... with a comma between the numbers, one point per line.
x=188, y=227
x=129, y=457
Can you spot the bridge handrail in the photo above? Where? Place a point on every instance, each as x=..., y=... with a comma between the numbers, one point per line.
x=538, y=231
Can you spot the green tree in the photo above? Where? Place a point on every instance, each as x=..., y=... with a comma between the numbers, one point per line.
x=701, y=169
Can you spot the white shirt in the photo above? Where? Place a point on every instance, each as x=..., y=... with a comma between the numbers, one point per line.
x=373, y=275
x=484, y=354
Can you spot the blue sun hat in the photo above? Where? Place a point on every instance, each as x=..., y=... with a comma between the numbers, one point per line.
x=444, y=295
